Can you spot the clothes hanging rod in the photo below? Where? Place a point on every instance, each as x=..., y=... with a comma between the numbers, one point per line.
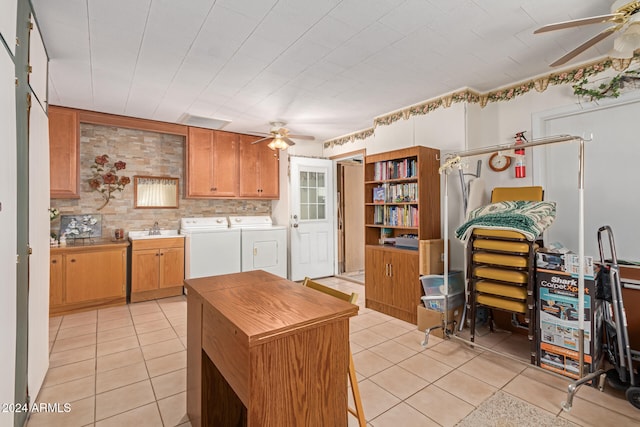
x=504, y=147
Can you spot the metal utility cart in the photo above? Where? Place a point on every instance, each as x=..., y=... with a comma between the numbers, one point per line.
x=616, y=347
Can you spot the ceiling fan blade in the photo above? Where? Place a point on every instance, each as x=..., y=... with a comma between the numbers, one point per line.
x=586, y=45
x=263, y=139
x=611, y=17
x=288, y=141
x=305, y=137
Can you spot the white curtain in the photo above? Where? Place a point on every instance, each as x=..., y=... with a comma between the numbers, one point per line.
x=157, y=192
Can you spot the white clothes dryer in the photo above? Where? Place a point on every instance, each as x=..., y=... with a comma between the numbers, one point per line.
x=264, y=245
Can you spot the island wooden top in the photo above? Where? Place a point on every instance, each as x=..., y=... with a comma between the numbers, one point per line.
x=263, y=306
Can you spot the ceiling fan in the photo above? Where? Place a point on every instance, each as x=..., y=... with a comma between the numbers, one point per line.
x=280, y=138
x=624, y=16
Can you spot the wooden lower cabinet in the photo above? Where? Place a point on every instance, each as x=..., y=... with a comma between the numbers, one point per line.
x=56, y=281
x=392, y=282
x=157, y=268
x=87, y=277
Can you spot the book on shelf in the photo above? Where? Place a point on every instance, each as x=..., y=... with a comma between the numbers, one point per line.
x=395, y=169
x=396, y=216
x=379, y=195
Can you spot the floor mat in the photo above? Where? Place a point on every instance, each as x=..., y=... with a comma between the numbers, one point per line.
x=504, y=410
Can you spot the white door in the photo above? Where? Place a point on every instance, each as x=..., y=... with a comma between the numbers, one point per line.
x=311, y=218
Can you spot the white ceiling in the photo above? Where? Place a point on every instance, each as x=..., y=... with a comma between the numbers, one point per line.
x=325, y=67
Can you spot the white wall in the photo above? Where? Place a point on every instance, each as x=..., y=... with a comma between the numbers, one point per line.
x=467, y=126
x=611, y=176
x=444, y=129
x=8, y=218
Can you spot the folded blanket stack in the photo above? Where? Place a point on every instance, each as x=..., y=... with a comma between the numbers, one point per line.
x=528, y=218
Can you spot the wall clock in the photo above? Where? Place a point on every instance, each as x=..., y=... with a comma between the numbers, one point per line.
x=499, y=163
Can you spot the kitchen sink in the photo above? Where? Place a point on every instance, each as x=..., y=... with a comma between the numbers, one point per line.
x=144, y=234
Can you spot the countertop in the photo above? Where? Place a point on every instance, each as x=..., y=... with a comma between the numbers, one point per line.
x=90, y=244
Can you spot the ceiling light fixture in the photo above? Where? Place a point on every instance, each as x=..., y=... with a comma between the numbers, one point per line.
x=625, y=45
x=278, y=143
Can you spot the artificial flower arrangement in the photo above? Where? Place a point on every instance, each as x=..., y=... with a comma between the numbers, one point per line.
x=53, y=237
x=53, y=213
x=105, y=178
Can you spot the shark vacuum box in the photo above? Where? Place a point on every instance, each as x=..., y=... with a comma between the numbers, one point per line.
x=557, y=280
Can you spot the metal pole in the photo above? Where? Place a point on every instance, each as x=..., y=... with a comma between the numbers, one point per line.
x=581, y=258
x=446, y=252
x=504, y=147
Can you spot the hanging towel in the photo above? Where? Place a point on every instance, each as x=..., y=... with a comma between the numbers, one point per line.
x=477, y=196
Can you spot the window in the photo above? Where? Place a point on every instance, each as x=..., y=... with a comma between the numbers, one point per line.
x=313, y=193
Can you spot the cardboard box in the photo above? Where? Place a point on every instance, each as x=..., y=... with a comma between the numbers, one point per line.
x=565, y=263
x=431, y=253
x=557, y=282
x=563, y=361
x=428, y=318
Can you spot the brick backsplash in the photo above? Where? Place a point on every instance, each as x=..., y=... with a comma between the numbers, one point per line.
x=146, y=153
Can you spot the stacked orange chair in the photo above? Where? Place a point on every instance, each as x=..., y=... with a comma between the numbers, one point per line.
x=501, y=268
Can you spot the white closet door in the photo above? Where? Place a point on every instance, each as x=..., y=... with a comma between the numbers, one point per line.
x=9, y=10
x=39, y=228
x=8, y=217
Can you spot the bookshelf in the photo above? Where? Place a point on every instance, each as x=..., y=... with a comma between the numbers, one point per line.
x=402, y=198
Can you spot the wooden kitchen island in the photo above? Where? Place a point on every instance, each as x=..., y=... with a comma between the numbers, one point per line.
x=265, y=351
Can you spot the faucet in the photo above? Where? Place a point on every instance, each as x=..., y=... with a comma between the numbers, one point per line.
x=155, y=231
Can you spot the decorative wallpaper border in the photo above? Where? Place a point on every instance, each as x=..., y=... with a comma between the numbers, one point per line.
x=539, y=84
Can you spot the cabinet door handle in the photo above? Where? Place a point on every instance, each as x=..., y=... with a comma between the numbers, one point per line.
x=157, y=254
x=73, y=260
x=390, y=270
x=214, y=189
x=54, y=261
x=162, y=254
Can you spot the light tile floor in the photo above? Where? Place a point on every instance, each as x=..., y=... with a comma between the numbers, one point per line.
x=126, y=366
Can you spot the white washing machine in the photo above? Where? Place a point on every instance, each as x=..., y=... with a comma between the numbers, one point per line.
x=264, y=245
x=211, y=247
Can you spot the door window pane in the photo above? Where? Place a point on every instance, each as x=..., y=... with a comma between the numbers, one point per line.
x=312, y=195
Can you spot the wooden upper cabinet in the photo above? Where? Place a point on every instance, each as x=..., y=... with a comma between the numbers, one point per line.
x=225, y=164
x=212, y=163
x=259, y=169
x=64, y=152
